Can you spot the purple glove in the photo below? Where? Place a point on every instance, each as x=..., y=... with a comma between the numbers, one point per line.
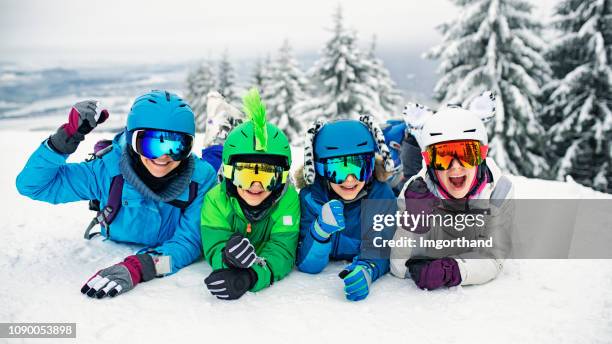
x=432, y=274
x=121, y=277
x=81, y=120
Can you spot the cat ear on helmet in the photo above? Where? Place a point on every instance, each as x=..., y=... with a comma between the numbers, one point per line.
x=483, y=106
x=379, y=138
x=311, y=132
x=415, y=114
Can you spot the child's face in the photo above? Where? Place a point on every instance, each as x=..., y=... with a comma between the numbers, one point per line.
x=161, y=166
x=254, y=195
x=457, y=179
x=349, y=189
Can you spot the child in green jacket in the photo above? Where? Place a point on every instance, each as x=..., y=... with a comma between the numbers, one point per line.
x=250, y=221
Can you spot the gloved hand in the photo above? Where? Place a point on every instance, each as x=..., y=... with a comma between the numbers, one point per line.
x=81, y=121
x=230, y=284
x=394, y=133
x=329, y=221
x=121, y=277
x=432, y=274
x=239, y=252
x=357, y=279
x=221, y=116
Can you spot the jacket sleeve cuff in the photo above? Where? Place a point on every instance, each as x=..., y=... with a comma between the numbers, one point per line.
x=264, y=277
x=50, y=153
x=319, y=234
x=147, y=265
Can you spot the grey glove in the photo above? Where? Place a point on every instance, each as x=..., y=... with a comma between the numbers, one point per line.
x=120, y=277
x=81, y=121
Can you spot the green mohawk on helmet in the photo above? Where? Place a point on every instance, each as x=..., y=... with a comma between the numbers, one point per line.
x=256, y=136
x=255, y=110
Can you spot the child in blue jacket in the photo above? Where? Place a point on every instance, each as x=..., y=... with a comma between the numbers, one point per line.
x=159, y=197
x=339, y=166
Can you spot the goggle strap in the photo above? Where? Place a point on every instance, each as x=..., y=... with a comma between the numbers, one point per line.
x=426, y=157
x=227, y=171
x=484, y=150
x=134, y=138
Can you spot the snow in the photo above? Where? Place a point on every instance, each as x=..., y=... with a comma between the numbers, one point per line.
x=44, y=261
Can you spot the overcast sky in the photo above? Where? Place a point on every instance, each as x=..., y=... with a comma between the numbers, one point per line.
x=156, y=31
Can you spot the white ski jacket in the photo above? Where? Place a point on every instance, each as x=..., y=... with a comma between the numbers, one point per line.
x=477, y=265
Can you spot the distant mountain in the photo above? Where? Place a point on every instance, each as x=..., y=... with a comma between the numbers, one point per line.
x=27, y=91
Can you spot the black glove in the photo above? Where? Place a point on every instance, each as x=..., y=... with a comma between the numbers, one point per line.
x=81, y=121
x=415, y=265
x=230, y=284
x=239, y=252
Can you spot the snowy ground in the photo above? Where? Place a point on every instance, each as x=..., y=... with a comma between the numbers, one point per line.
x=44, y=261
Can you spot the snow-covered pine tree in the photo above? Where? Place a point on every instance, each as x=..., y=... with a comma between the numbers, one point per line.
x=226, y=80
x=342, y=79
x=284, y=86
x=388, y=94
x=581, y=96
x=200, y=81
x=260, y=73
x=495, y=45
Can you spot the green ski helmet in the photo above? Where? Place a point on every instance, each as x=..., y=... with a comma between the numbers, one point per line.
x=256, y=137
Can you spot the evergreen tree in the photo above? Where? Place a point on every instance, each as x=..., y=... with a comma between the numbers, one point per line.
x=495, y=45
x=259, y=74
x=581, y=96
x=390, y=98
x=342, y=79
x=227, y=80
x=284, y=86
x=200, y=81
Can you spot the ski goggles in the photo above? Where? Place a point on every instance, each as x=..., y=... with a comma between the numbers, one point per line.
x=152, y=143
x=469, y=153
x=337, y=170
x=244, y=174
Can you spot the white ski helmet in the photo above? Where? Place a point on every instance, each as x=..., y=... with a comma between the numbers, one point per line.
x=452, y=123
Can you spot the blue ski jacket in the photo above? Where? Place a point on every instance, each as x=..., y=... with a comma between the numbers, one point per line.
x=159, y=226
x=313, y=255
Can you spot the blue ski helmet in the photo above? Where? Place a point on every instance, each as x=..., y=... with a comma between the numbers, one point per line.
x=343, y=137
x=161, y=110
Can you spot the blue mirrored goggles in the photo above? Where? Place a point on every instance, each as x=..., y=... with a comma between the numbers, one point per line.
x=153, y=143
x=336, y=170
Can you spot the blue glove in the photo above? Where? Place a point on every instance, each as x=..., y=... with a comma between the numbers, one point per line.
x=394, y=133
x=329, y=221
x=357, y=279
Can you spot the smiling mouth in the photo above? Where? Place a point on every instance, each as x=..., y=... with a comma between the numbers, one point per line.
x=157, y=163
x=458, y=181
x=254, y=193
x=348, y=188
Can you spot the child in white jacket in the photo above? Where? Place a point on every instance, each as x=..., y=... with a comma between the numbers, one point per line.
x=457, y=182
